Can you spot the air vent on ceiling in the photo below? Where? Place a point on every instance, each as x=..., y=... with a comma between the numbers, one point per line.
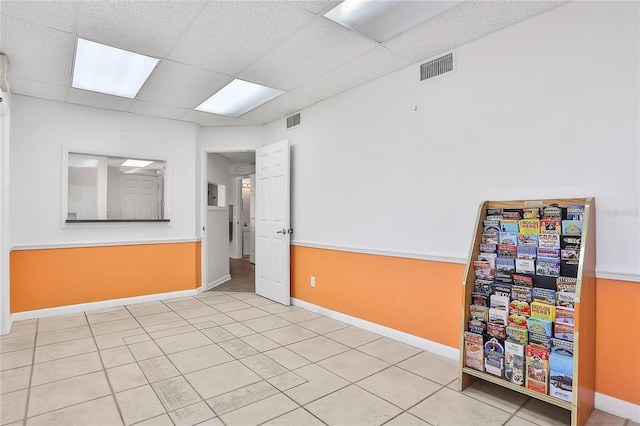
x=293, y=121
x=436, y=66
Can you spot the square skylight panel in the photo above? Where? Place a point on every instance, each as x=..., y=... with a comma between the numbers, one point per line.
x=382, y=20
x=105, y=69
x=237, y=98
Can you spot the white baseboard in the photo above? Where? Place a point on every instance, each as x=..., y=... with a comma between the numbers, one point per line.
x=6, y=325
x=217, y=282
x=603, y=402
x=409, y=339
x=92, y=306
x=617, y=407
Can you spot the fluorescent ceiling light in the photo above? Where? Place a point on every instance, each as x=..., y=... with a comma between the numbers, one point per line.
x=237, y=98
x=105, y=69
x=381, y=20
x=136, y=163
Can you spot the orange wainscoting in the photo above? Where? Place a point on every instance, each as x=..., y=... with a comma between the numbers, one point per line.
x=51, y=278
x=423, y=298
x=618, y=339
x=418, y=297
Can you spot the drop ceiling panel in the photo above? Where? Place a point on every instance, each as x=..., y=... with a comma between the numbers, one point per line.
x=53, y=14
x=317, y=49
x=206, y=119
x=157, y=110
x=84, y=97
x=36, y=52
x=317, y=6
x=181, y=85
x=476, y=18
x=147, y=27
x=229, y=35
x=373, y=64
x=287, y=45
x=283, y=105
x=38, y=89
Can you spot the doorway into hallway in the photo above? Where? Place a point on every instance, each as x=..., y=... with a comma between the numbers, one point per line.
x=242, y=273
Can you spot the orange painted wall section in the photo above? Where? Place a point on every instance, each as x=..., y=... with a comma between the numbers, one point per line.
x=618, y=339
x=51, y=278
x=414, y=296
x=423, y=298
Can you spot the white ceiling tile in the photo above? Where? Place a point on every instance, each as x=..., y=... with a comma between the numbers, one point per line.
x=100, y=100
x=287, y=45
x=36, y=52
x=157, y=110
x=38, y=89
x=53, y=14
x=147, y=27
x=173, y=83
x=316, y=7
x=229, y=35
x=373, y=64
x=283, y=105
x=477, y=18
x=205, y=119
x=317, y=49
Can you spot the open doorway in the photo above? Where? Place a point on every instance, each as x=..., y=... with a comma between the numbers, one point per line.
x=230, y=246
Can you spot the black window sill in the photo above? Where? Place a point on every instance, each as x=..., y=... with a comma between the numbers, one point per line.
x=117, y=220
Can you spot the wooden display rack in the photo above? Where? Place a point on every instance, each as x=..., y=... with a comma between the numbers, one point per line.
x=584, y=337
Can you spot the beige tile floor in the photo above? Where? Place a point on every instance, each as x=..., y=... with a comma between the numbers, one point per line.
x=224, y=358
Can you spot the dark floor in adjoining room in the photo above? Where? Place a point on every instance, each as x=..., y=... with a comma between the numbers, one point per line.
x=242, y=277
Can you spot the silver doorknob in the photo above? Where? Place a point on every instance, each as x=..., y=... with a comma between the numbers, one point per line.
x=284, y=231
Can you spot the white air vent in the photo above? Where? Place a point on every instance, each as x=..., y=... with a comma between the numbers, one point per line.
x=4, y=73
x=293, y=121
x=437, y=66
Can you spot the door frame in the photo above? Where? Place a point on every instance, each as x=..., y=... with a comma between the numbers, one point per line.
x=203, y=202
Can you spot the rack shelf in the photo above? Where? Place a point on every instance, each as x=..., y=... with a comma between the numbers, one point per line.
x=582, y=402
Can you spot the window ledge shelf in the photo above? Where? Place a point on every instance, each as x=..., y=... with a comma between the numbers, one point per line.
x=117, y=220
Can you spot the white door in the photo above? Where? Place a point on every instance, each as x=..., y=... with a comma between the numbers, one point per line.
x=273, y=222
x=252, y=219
x=139, y=197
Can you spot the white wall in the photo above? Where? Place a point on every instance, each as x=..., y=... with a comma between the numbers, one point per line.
x=113, y=193
x=217, y=242
x=5, y=315
x=40, y=129
x=235, y=245
x=545, y=109
x=246, y=193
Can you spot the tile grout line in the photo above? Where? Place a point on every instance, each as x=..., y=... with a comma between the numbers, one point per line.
x=43, y=384
x=33, y=363
x=180, y=373
x=137, y=362
x=104, y=369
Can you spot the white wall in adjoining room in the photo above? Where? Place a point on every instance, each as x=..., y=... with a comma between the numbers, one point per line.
x=537, y=110
x=217, y=224
x=235, y=245
x=41, y=129
x=5, y=245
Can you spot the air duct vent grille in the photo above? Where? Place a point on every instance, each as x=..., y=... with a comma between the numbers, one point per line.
x=293, y=121
x=437, y=66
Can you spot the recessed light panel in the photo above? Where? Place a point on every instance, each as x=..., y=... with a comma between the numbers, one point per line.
x=382, y=20
x=237, y=98
x=106, y=69
x=136, y=163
